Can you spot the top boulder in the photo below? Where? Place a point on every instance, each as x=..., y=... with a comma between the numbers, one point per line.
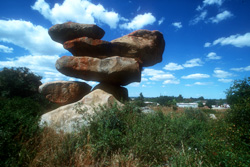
x=70, y=30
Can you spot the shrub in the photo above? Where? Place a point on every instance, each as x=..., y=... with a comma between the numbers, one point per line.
x=196, y=114
x=139, y=101
x=151, y=137
x=18, y=124
x=238, y=96
x=121, y=136
x=210, y=102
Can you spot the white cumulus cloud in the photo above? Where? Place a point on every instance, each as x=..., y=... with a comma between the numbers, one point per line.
x=241, y=69
x=5, y=49
x=81, y=11
x=196, y=76
x=202, y=83
x=151, y=72
x=161, y=77
x=212, y=2
x=225, y=80
x=158, y=75
x=209, y=3
x=35, y=63
x=222, y=74
x=33, y=38
x=207, y=44
x=177, y=25
x=193, y=63
x=235, y=40
x=213, y=56
x=174, y=81
x=221, y=16
x=41, y=65
x=139, y=21
x=134, y=84
x=173, y=66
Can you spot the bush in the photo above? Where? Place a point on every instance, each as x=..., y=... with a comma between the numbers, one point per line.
x=196, y=114
x=18, y=124
x=139, y=101
x=150, y=137
x=126, y=136
x=238, y=96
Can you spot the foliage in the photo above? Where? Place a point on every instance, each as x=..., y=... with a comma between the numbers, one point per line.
x=200, y=104
x=239, y=92
x=140, y=101
x=124, y=136
x=180, y=98
x=152, y=139
x=210, y=102
x=18, y=124
x=201, y=98
x=238, y=96
x=18, y=82
x=164, y=100
x=20, y=108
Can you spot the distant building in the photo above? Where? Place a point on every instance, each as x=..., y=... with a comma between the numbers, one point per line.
x=187, y=105
x=151, y=103
x=224, y=106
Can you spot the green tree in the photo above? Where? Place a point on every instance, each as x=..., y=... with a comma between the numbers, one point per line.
x=141, y=97
x=238, y=96
x=180, y=98
x=239, y=92
x=201, y=98
x=174, y=102
x=210, y=102
x=168, y=103
x=140, y=100
x=200, y=104
x=221, y=102
x=18, y=82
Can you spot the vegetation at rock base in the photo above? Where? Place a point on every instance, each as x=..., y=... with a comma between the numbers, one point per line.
x=18, y=125
x=20, y=109
x=128, y=137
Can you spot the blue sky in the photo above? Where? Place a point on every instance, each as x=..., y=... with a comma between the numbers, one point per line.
x=207, y=41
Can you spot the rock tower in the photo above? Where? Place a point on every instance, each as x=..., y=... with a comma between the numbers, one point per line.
x=113, y=64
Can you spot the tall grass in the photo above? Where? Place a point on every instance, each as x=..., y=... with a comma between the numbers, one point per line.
x=127, y=137
x=122, y=136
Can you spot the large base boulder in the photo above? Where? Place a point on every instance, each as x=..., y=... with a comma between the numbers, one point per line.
x=114, y=70
x=70, y=117
x=64, y=92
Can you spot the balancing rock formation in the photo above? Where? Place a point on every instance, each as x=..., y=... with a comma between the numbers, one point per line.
x=114, y=64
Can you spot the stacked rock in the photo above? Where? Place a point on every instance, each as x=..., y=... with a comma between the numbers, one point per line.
x=114, y=64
